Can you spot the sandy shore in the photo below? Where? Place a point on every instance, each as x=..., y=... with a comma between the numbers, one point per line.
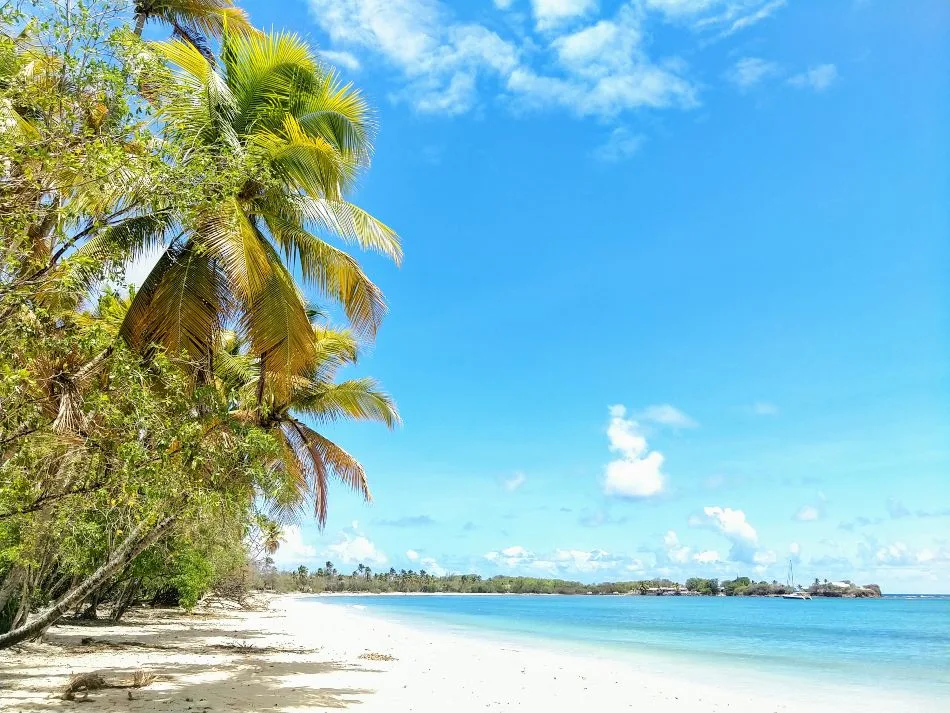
x=295, y=656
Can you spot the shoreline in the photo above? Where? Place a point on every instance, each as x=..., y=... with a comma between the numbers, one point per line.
x=300, y=654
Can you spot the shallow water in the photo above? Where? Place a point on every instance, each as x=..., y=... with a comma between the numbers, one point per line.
x=894, y=644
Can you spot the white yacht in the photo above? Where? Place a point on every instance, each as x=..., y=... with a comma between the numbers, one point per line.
x=791, y=583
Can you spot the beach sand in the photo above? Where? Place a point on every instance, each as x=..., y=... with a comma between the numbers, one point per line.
x=295, y=655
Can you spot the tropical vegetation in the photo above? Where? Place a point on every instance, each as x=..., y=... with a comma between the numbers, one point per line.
x=155, y=437
x=327, y=578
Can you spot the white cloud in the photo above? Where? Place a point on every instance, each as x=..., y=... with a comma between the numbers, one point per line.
x=357, y=548
x=341, y=59
x=731, y=15
x=731, y=523
x=603, y=70
x=706, y=557
x=515, y=482
x=899, y=554
x=550, y=13
x=674, y=551
x=667, y=415
x=810, y=512
x=440, y=60
x=503, y=4
x=514, y=556
x=678, y=8
x=565, y=562
x=620, y=145
x=752, y=18
x=818, y=78
x=635, y=565
x=433, y=567
x=638, y=472
x=412, y=555
x=795, y=552
x=748, y=72
x=293, y=549
x=764, y=559
x=583, y=560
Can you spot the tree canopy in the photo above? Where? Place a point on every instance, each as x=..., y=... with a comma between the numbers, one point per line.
x=154, y=437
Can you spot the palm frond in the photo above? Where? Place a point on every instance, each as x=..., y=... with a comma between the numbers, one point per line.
x=336, y=274
x=278, y=328
x=359, y=399
x=181, y=305
x=351, y=223
x=209, y=17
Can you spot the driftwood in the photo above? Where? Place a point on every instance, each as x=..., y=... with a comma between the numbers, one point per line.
x=84, y=683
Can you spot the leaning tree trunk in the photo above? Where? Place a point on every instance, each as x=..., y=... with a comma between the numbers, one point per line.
x=138, y=540
x=140, y=23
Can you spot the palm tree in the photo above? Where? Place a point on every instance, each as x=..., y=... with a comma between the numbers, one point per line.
x=192, y=20
x=307, y=458
x=271, y=537
x=300, y=138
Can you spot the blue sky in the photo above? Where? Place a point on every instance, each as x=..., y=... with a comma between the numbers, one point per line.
x=675, y=296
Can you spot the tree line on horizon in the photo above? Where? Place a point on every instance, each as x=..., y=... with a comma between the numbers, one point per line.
x=363, y=579
x=154, y=439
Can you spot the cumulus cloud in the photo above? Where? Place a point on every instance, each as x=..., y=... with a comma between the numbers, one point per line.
x=763, y=559
x=353, y=549
x=811, y=512
x=412, y=555
x=293, y=549
x=731, y=523
x=706, y=557
x=745, y=74
x=567, y=562
x=674, y=552
x=549, y=14
x=817, y=78
x=515, y=482
x=795, y=552
x=734, y=526
x=514, y=556
x=433, y=567
x=900, y=554
x=440, y=60
x=446, y=64
x=638, y=472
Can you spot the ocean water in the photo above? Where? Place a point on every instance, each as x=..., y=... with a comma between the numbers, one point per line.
x=898, y=644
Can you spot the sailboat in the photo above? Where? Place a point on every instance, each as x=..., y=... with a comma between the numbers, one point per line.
x=791, y=583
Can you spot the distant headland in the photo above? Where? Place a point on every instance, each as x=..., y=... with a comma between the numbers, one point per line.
x=363, y=580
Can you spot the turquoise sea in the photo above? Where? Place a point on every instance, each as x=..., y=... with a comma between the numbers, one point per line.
x=899, y=643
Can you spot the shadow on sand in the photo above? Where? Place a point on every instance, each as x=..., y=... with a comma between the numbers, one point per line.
x=200, y=666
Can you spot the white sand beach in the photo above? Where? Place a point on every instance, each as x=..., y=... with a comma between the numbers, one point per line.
x=295, y=655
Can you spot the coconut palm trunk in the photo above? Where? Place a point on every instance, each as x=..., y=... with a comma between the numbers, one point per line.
x=142, y=536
